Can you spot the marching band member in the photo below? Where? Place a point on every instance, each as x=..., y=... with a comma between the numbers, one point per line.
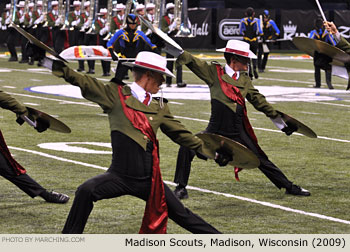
x=322, y=61
x=11, y=33
x=150, y=7
x=88, y=39
x=271, y=32
x=55, y=23
x=19, y=20
x=128, y=42
x=102, y=29
x=229, y=87
x=135, y=117
x=117, y=21
x=169, y=26
x=13, y=171
x=250, y=28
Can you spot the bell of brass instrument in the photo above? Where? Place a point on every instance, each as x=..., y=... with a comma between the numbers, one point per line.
x=127, y=12
x=158, y=12
x=184, y=27
x=93, y=16
x=66, y=13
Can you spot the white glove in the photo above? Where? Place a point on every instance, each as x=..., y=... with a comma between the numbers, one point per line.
x=172, y=26
x=4, y=27
x=8, y=20
x=77, y=22
x=104, y=30
x=148, y=32
x=278, y=121
x=87, y=23
x=74, y=23
x=47, y=62
x=58, y=21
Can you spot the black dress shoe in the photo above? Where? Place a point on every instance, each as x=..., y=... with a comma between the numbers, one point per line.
x=91, y=72
x=181, y=85
x=181, y=193
x=24, y=61
x=106, y=74
x=80, y=70
x=55, y=197
x=297, y=190
x=168, y=85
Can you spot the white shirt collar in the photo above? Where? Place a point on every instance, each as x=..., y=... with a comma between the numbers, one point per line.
x=230, y=72
x=139, y=93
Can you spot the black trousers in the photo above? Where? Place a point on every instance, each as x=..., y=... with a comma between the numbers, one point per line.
x=90, y=39
x=111, y=185
x=262, y=57
x=11, y=42
x=254, y=48
x=23, y=181
x=276, y=176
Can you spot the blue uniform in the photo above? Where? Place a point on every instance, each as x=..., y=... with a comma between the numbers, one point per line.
x=323, y=35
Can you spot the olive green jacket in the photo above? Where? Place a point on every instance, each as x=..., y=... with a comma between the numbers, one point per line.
x=10, y=103
x=107, y=96
x=208, y=73
x=73, y=17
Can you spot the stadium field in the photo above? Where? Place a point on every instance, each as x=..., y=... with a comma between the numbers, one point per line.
x=253, y=205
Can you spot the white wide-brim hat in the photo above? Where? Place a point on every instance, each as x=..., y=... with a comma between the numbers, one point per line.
x=103, y=11
x=238, y=47
x=151, y=61
x=8, y=6
x=54, y=3
x=21, y=4
x=140, y=7
x=86, y=4
x=169, y=6
x=31, y=5
x=39, y=3
x=150, y=6
x=76, y=3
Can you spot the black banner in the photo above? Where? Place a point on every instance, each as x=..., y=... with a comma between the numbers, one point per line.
x=297, y=23
x=201, y=29
x=341, y=20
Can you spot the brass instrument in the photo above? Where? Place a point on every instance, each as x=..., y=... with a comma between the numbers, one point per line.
x=66, y=13
x=93, y=16
x=45, y=9
x=127, y=12
x=109, y=18
x=61, y=12
x=182, y=16
x=12, y=12
x=158, y=12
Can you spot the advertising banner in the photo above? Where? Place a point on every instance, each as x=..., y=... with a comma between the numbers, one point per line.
x=201, y=30
x=297, y=23
x=341, y=20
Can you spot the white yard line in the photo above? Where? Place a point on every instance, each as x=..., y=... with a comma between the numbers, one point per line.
x=269, y=130
x=228, y=195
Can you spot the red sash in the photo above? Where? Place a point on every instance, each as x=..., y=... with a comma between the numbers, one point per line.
x=235, y=95
x=167, y=20
x=155, y=217
x=5, y=151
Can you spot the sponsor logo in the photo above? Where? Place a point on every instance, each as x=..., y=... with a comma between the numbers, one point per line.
x=290, y=31
x=344, y=31
x=202, y=30
x=229, y=29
